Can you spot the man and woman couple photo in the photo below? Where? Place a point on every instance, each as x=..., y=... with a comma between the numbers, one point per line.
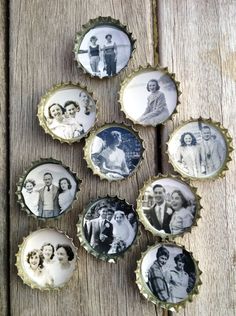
x=168, y=212
x=108, y=229
x=71, y=119
x=171, y=277
x=47, y=198
x=200, y=156
x=51, y=265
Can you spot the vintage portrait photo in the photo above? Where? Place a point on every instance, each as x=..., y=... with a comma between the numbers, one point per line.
x=48, y=258
x=169, y=273
x=110, y=226
x=150, y=97
x=104, y=51
x=49, y=189
x=169, y=206
x=69, y=113
x=116, y=152
x=197, y=149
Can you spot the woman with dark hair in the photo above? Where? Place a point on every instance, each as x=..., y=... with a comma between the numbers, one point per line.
x=94, y=55
x=179, y=280
x=156, y=277
x=182, y=217
x=36, y=270
x=65, y=196
x=188, y=154
x=156, y=111
x=31, y=197
x=111, y=160
x=58, y=123
x=47, y=250
x=110, y=56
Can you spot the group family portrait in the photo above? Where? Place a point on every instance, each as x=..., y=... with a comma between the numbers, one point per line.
x=48, y=258
x=70, y=113
x=110, y=226
x=198, y=150
x=169, y=206
x=104, y=51
x=150, y=97
x=169, y=272
x=49, y=190
x=116, y=152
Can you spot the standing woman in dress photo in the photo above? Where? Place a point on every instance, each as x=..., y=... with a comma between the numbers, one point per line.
x=179, y=280
x=94, y=55
x=123, y=232
x=188, y=154
x=31, y=197
x=110, y=55
x=65, y=196
x=182, y=218
x=156, y=111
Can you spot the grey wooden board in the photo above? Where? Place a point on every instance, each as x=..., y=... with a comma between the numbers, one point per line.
x=41, y=42
x=197, y=41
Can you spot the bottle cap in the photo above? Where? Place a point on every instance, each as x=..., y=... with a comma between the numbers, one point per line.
x=47, y=189
x=149, y=96
x=67, y=112
x=46, y=259
x=103, y=47
x=108, y=228
x=200, y=149
x=114, y=151
x=168, y=206
x=168, y=275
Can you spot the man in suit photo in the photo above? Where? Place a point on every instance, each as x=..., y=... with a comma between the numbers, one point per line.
x=159, y=215
x=100, y=234
x=48, y=198
x=212, y=152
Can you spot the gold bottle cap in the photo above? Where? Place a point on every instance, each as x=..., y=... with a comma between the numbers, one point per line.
x=114, y=151
x=168, y=206
x=108, y=228
x=149, y=95
x=67, y=112
x=47, y=189
x=46, y=259
x=200, y=149
x=168, y=275
x=103, y=47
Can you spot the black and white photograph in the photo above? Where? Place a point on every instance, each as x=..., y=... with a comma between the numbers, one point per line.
x=149, y=97
x=115, y=152
x=47, y=258
x=169, y=206
x=48, y=190
x=110, y=226
x=104, y=50
x=169, y=272
x=197, y=150
x=69, y=113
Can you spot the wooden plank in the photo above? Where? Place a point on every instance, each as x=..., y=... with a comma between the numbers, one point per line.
x=197, y=42
x=41, y=41
x=4, y=253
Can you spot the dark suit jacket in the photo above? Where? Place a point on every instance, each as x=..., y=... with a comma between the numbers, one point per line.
x=151, y=216
x=56, y=208
x=94, y=235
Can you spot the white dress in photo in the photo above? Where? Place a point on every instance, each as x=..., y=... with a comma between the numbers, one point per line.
x=31, y=200
x=65, y=199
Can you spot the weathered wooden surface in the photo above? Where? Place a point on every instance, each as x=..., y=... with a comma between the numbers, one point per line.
x=3, y=162
x=197, y=41
x=41, y=42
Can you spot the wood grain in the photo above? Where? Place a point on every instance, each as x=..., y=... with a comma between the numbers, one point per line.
x=4, y=215
x=41, y=42
x=197, y=42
